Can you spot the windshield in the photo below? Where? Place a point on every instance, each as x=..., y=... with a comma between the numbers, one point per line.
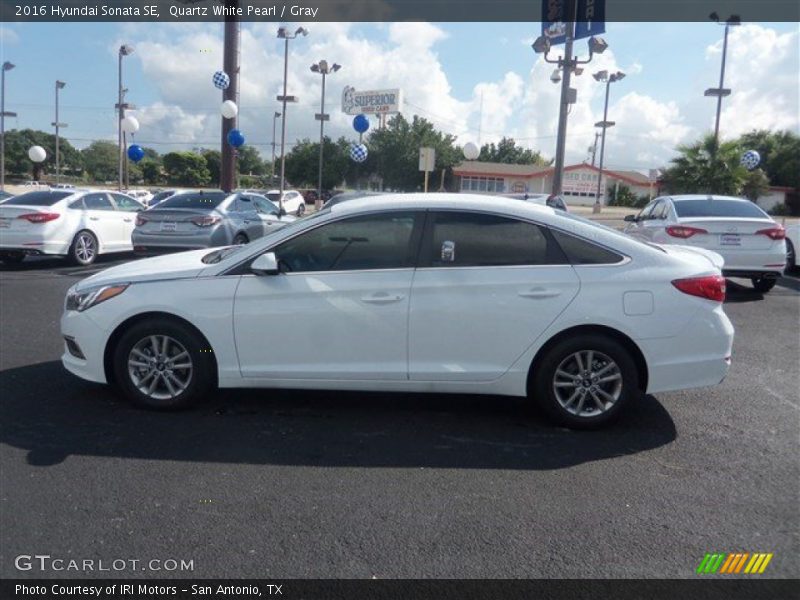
x=40, y=198
x=718, y=207
x=616, y=232
x=205, y=200
x=274, y=196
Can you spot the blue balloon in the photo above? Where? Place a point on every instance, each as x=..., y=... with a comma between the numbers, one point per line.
x=135, y=152
x=360, y=123
x=235, y=138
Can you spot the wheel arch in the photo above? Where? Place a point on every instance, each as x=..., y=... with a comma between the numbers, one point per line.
x=615, y=334
x=119, y=331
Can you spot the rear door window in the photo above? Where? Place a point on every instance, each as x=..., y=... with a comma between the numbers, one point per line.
x=97, y=202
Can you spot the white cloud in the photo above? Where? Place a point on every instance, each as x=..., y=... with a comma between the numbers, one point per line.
x=8, y=36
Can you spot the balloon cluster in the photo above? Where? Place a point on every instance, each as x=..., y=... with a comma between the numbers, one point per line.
x=228, y=108
x=358, y=152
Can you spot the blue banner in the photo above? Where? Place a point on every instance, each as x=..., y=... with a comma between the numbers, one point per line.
x=554, y=20
x=591, y=18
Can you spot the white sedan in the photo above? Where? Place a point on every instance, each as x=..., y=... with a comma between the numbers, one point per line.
x=77, y=224
x=749, y=240
x=293, y=201
x=416, y=293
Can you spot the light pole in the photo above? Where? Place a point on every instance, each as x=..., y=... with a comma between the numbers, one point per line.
x=7, y=66
x=124, y=50
x=274, y=123
x=604, y=77
x=568, y=65
x=323, y=69
x=285, y=35
x=720, y=92
x=59, y=86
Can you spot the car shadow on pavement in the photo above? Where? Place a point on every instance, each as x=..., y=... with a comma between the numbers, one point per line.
x=737, y=292
x=52, y=415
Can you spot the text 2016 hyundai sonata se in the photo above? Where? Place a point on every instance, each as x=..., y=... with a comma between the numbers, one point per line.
x=415, y=293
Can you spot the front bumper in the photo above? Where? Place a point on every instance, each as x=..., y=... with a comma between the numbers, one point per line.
x=79, y=330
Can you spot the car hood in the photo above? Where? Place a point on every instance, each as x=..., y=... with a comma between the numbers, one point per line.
x=182, y=265
x=691, y=253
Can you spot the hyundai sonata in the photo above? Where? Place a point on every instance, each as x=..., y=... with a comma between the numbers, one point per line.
x=415, y=293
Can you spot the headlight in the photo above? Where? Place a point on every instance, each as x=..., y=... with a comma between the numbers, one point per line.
x=88, y=298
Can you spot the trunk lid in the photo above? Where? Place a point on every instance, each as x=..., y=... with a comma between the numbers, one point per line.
x=171, y=221
x=729, y=233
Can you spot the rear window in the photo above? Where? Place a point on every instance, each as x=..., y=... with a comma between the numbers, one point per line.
x=581, y=252
x=40, y=198
x=718, y=207
x=274, y=196
x=194, y=200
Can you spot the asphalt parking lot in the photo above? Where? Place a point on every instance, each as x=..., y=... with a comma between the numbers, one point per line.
x=338, y=485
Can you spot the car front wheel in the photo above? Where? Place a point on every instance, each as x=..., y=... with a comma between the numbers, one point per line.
x=584, y=382
x=763, y=284
x=163, y=364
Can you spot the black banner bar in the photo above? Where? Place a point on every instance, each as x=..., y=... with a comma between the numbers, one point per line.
x=739, y=588
x=174, y=11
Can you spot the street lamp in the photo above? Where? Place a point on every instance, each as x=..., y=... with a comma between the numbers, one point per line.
x=7, y=66
x=124, y=50
x=323, y=69
x=274, y=121
x=59, y=86
x=604, y=77
x=720, y=92
x=286, y=35
x=568, y=65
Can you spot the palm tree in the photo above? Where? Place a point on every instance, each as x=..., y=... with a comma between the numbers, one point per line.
x=706, y=168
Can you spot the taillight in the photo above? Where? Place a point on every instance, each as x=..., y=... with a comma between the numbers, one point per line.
x=39, y=217
x=711, y=287
x=206, y=221
x=683, y=231
x=140, y=220
x=773, y=233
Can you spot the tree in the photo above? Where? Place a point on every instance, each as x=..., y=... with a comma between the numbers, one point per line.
x=213, y=164
x=755, y=185
x=101, y=161
x=151, y=170
x=249, y=161
x=506, y=151
x=18, y=142
x=186, y=168
x=706, y=167
x=302, y=163
x=780, y=155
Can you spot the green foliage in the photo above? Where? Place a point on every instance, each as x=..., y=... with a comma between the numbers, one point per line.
x=18, y=142
x=101, y=161
x=249, y=161
x=151, y=170
x=302, y=163
x=214, y=165
x=507, y=151
x=706, y=167
x=186, y=169
x=756, y=184
x=780, y=155
x=621, y=196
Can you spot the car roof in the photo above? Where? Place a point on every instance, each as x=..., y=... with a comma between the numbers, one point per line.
x=417, y=201
x=681, y=197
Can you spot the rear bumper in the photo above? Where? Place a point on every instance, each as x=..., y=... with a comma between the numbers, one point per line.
x=773, y=273
x=35, y=248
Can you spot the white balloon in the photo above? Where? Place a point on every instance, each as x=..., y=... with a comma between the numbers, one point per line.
x=229, y=109
x=471, y=151
x=37, y=154
x=130, y=124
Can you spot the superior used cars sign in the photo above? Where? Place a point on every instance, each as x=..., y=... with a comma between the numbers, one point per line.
x=371, y=101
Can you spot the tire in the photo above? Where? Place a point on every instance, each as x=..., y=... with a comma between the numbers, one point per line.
x=240, y=239
x=167, y=388
x=83, y=250
x=572, y=403
x=301, y=210
x=763, y=284
x=12, y=258
x=791, y=256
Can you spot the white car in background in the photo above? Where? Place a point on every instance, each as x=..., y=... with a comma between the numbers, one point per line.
x=293, y=201
x=749, y=240
x=792, y=244
x=142, y=196
x=445, y=293
x=77, y=224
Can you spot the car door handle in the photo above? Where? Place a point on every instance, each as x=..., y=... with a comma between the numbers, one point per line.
x=127, y=220
x=382, y=298
x=94, y=218
x=539, y=293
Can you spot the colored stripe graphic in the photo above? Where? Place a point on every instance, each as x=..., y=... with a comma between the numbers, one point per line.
x=734, y=562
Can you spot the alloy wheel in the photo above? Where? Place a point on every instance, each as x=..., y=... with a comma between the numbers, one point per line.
x=160, y=367
x=85, y=248
x=587, y=383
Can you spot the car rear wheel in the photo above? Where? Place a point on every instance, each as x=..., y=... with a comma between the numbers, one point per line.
x=240, y=239
x=12, y=258
x=164, y=365
x=791, y=257
x=764, y=284
x=301, y=210
x=83, y=250
x=584, y=382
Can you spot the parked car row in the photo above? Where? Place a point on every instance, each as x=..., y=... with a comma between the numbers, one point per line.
x=83, y=224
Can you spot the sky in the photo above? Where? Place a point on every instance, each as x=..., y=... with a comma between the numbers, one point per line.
x=477, y=81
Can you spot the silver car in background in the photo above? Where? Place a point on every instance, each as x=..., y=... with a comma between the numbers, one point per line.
x=204, y=219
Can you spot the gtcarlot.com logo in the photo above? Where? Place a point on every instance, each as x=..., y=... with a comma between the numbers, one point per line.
x=45, y=562
x=734, y=563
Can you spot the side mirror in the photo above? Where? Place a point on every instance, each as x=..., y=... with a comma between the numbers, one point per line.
x=631, y=218
x=266, y=264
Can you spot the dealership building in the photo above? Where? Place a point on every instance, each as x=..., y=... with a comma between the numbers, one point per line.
x=579, y=185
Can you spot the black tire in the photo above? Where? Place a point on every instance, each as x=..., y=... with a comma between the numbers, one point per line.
x=301, y=210
x=240, y=239
x=83, y=254
x=544, y=373
x=12, y=258
x=763, y=284
x=791, y=256
x=200, y=381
